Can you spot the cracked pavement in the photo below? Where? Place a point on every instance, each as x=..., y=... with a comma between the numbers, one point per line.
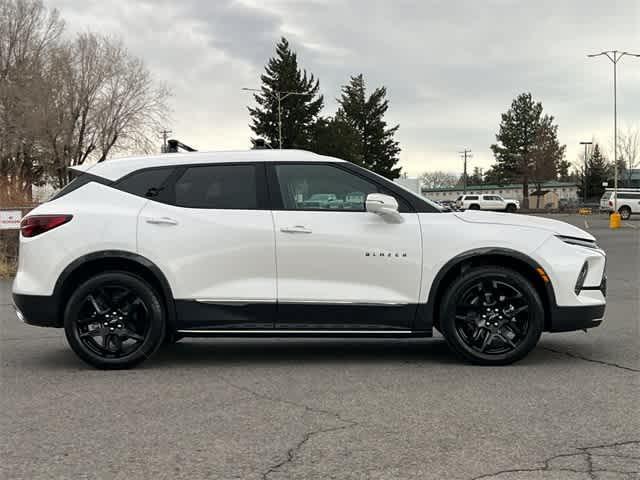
x=321, y=409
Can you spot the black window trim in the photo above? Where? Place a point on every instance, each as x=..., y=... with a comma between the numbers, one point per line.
x=79, y=181
x=406, y=204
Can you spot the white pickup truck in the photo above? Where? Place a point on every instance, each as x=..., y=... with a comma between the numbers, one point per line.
x=487, y=202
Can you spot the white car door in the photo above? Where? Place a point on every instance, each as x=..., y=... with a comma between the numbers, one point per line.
x=338, y=266
x=213, y=240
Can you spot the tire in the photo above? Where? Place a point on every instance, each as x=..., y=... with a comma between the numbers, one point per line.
x=625, y=213
x=511, y=208
x=114, y=320
x=474, y=206
x=520, y=320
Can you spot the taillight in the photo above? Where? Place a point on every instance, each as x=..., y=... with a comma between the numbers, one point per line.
x=36, y=224
x=610, y=203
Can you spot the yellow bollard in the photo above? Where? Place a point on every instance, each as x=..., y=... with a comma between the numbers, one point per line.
x=614, y=220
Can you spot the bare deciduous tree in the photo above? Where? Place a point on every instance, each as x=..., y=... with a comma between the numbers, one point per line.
x=438, y=179
x=66, y=102
x=629, y=149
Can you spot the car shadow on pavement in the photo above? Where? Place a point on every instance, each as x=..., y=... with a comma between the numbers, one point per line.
x=209, y=352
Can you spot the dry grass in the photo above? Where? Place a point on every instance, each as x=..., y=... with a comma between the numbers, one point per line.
x=7, y=267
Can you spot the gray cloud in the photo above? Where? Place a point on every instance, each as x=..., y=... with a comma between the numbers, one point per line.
x=451, y=67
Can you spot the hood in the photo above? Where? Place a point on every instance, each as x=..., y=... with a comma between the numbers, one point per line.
x=518, y=220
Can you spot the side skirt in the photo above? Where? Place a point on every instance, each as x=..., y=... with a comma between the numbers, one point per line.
x=273, y=332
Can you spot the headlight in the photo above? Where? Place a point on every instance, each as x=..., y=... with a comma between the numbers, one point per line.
x=583, y=242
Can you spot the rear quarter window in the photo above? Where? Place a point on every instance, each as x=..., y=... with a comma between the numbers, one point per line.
x=471, y=197
x=145, y=183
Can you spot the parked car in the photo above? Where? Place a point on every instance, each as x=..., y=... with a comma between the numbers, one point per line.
x=628, y=201
x=487, y=202
x=142, y=251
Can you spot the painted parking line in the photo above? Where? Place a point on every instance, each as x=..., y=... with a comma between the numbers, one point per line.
x=628, y=225
x=586, y=224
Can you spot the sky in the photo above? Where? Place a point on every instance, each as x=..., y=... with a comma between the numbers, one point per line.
x=450, y=67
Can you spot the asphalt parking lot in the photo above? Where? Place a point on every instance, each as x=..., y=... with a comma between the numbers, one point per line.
x=340, y=409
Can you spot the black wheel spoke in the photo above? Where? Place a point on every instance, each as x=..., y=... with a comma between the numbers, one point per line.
x=487, y=341
x=127, y=333
x=520, y=309
x=96, y=305
x=98, y=332
x=506, y=340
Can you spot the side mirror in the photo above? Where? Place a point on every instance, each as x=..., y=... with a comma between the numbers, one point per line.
x=384, y=205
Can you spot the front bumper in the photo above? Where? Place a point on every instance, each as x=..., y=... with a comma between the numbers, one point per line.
x=568, y=319
x=39, y=310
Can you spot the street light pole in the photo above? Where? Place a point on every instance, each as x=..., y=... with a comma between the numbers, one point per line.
x=280, y=95
x=584, y=191
x=615, y=56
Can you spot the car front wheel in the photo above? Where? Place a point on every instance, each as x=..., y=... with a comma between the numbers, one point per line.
x=114, y=320
x=492, y=316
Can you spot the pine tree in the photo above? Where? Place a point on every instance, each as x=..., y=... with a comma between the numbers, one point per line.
x=527, y=147
x=299, y=110
x=336, y=138
x=598, y=171
x=476, y=178
x=377, y=149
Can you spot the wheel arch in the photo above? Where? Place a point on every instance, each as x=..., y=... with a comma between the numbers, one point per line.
x=88, y=265
x=428, y=313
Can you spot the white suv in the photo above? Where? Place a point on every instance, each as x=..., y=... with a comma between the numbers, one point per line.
x=628, y=202
x=487, y=202
x=140, y=251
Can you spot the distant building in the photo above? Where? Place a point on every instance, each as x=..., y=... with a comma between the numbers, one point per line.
x=552, y=192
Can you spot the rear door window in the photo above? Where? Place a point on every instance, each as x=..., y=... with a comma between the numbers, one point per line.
x=218, y=187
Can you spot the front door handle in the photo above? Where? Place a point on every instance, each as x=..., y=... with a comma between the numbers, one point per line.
x=162, y=221
x=296, y=229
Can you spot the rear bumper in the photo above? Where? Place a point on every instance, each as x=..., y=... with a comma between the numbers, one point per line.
x=567, y=319
x=39, y=310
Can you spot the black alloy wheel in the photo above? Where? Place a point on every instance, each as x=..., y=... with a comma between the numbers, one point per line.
x=114, y=320
x=492, y=316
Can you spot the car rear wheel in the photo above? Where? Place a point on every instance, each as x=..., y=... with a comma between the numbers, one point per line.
x=114, y=320
x=492, y=316
x=625, y=213
x=474, y=206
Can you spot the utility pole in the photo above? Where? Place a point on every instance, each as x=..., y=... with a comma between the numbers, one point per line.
x=615, y=56
x=466, y=153
x=165, y=134
x=584, y=186
x=280, y=95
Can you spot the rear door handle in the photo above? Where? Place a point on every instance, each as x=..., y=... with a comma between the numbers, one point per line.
x=162, y=221
x=296, y=229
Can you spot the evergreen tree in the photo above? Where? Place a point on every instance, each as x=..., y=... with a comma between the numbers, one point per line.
x=527, y=147
x=598, y=171
x=336, y=138
x=377, y=149
x=563, y=171
x=299, y=111
x=476, y=178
